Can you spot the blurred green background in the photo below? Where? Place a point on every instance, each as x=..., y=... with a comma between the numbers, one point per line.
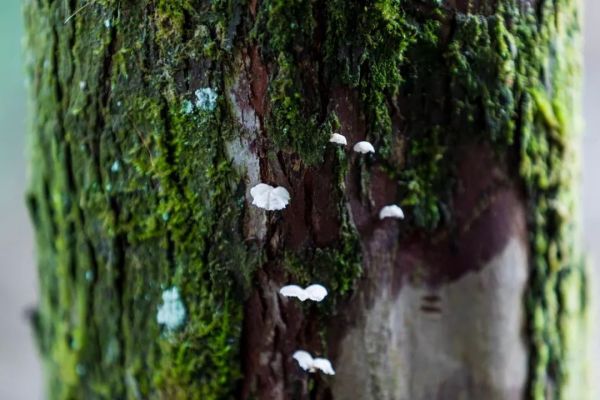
x=20, y=376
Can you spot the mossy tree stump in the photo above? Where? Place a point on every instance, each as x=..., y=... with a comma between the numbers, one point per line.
x=151, y=121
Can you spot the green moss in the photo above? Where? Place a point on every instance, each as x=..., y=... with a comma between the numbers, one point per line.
x=517, y=98
x=94, y=220
x=549, y=170
x=338, y=266
x=171, y=213
x=285, y=29
x=511, y=77
x=365, y=48
x=170, y=19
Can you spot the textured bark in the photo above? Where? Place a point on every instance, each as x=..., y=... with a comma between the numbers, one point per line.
x=140, y=184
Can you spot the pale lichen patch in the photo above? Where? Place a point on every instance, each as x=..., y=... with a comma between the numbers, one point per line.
x=188, y=107
x=172, y=312
x=206, y=99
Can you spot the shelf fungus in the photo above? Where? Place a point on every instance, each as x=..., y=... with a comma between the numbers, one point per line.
x=313, y=292
x=392, y=211
x=338, y=139
x=364, y=147
x=269, y=198
x=310, y=364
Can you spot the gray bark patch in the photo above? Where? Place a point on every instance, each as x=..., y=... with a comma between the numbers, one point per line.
x=465, y=340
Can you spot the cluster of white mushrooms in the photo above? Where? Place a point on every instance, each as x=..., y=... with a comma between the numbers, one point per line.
x=272, y=198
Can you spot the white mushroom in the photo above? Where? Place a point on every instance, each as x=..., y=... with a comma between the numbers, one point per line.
x=269, y=197
x=391, y=211
x=338, y=139
x=310, y=364
x=304, y=359
x=313, y=292
x=364, y=147
x=324, y=365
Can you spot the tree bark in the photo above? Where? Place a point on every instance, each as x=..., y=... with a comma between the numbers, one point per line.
x=151, y=121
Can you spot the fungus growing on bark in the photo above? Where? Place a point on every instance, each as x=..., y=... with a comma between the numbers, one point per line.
x=392, y=211
x=310, y=364
x=364, y=147
x=338, y=139
x=313, y=292
x=269, y=198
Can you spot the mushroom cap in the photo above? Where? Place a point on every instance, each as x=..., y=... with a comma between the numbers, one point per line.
x=364, y=147
x=324, y=365
x=304, y=359
x=270, y=198
x=294, y=291
x=391, y=211
x=316, y=292
x=338, y=139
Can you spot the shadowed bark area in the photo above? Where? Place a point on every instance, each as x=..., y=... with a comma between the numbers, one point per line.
x=158, y=277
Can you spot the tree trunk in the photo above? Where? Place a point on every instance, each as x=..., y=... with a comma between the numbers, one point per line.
x=159, y=279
